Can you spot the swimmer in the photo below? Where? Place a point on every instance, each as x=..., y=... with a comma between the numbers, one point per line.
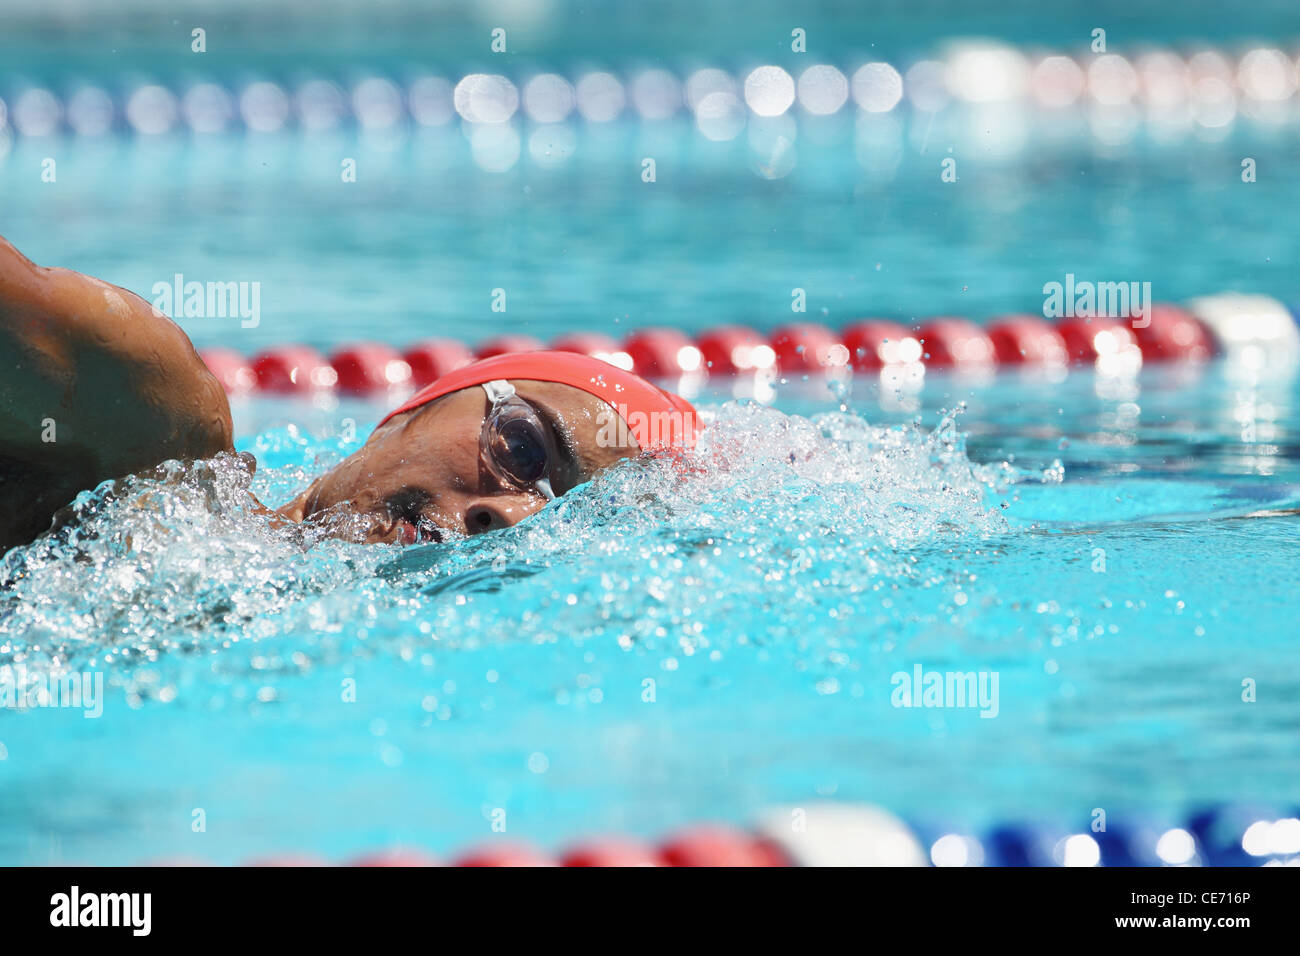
x=95, y=383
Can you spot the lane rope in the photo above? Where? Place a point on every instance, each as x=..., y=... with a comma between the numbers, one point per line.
x=849, y=834
x=1177, y=89
x=1250, y=330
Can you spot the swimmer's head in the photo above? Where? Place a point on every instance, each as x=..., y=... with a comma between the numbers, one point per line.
x=489, y=444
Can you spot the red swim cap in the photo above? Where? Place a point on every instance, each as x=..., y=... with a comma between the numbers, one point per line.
x=655, y=418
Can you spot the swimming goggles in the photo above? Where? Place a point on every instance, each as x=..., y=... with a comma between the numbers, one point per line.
x=514, y=442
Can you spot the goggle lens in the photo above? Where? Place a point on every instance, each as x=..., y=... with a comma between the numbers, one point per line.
x=514, y=440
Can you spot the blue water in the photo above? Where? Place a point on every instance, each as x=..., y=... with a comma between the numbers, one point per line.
x=769, y=602
x=417, y=245
x=668, y=645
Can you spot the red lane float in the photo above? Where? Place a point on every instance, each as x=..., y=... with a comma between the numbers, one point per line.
x=370, y=367
x=432, y=359
x=662, y=353
x=293, y=368
x=612, y=851
x=951, y=342
x=586, y=343
x=1026, y=340
x=803, y=347
x=734, y=350
x=720, y=846
x=875, y=343
x=233, y=371
x=512, y=854
x=508, y=343
x=1170, y=333
x=597, y=345
x=1090, y=339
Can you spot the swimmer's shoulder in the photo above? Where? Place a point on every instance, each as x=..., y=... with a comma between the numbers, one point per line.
x=94, y=384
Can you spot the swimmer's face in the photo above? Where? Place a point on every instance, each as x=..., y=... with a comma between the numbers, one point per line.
x=424, y=472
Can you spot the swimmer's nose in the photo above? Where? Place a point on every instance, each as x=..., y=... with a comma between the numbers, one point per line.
x=500, y=511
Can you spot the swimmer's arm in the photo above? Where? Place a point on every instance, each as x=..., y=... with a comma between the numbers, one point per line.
x=94, y=384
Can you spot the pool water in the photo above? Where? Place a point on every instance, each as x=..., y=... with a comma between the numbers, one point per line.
x=675, y=643
x=686, y=640
x=859, y=219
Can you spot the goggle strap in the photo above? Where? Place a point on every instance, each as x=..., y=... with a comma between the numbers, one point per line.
x=498, y=390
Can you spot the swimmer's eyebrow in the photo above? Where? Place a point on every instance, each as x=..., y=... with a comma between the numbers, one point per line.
x=561, y=438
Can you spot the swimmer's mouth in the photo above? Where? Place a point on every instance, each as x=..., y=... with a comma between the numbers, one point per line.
x=409, y=522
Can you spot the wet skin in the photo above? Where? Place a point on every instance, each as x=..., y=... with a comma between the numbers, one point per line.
x=422, y=472
x=96, y=384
